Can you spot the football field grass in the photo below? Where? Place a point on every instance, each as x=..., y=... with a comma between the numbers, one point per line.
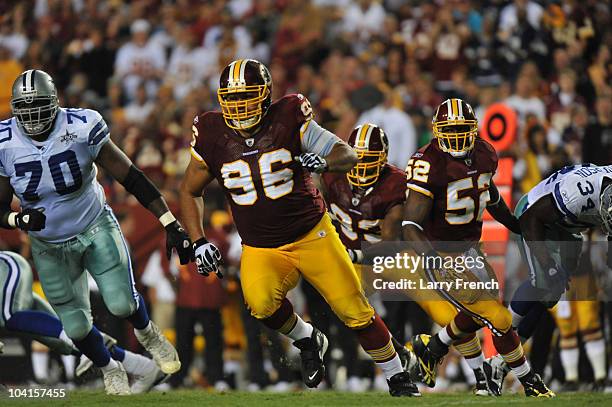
x=186, y=398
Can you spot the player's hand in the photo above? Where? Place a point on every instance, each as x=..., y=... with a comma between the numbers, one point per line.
x=207, y=257
x=355, y=255
x=557, y=276
x=31, y=220
x=312, y=162
x=177, y=238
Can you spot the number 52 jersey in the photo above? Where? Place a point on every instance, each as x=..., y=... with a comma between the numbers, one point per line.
x=58, y=175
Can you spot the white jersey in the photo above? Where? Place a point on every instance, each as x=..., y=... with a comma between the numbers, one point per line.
x=59, y=174
x=576, y=191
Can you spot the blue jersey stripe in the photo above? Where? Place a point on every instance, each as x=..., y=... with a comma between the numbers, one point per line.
x=98, y=133
x=10, y=286
x=559, y=200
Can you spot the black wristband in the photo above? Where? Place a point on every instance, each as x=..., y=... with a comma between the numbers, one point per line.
x=137, y=184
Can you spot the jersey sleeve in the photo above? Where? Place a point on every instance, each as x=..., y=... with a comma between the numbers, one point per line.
x=196, y=141
x=315, y=139
x=421, y=175
x=570, y=199
x=98, y=134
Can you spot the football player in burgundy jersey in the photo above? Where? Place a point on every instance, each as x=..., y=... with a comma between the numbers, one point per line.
x=262, y=153
x=450, y=182
x=367, y=205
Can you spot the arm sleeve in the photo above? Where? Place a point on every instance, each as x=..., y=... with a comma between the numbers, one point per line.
x=315, y=139
x=98, y=136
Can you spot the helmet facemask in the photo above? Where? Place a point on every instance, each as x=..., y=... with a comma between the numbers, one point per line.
x=605, y=209
x=35, y=114
x=456, y=137
x=368, y=168
x=243, y=106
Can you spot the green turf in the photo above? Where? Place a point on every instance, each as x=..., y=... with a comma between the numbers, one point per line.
x=186, y=398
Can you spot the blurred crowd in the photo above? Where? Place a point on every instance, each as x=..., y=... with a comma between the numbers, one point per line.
x=150, y=66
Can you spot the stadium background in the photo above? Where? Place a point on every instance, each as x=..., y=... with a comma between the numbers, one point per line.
x=150, y=66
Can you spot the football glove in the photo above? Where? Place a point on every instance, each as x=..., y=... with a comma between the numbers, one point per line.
x=207, y=257
x=30, y=220
x=557, y=276
x=355, y=255
x=312, y=162
x=177, y=238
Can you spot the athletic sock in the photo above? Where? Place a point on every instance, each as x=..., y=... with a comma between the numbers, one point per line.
x=92, y=346
x=133, y=363
x=300, y=330
x=596, y=352
x=140, y=317
x=569, y=360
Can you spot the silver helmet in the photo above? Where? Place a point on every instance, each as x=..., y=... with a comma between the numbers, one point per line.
x=605, y=209
x=34, y=101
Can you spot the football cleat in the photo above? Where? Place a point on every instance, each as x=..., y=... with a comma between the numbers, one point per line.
x=116, y=381
x=428, y=360
x=534, y=387
x=312, y=351
x=160, y=348
x=143, y=384
x=485, y=386
x=409, y=361
x=401, y=385
x=499, y=370
x=570, y=387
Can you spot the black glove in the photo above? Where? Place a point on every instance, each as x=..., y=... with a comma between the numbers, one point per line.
x=207, y=257
x=312, y=162
x=557, y=276
x=177, y=238
x=31, y=220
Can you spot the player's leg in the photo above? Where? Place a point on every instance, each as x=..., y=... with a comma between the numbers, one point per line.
x=65, y=285
x=589, y=326
x=324, y=262
x=567, y=322
x=108, y=261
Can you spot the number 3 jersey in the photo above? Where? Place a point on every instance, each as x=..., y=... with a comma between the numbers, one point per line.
x=459, y=188
x=59, y=174
x=358, y=218
x=576, y=191
x=272, y=197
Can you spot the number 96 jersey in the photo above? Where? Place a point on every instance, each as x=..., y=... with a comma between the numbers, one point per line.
x=57, y=175
x=272, y=197
x=459, y=188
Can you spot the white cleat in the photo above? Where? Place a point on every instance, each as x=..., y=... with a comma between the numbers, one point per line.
x=143, y=384
x=116, y=381
x=160, y=348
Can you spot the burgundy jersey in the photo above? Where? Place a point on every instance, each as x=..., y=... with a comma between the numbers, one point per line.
x=358, y=218
x=272, y=197
x=459, y=188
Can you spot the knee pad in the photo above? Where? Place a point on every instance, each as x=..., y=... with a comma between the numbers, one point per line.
x=501, y=319
x=122, y=305
x=76, y=323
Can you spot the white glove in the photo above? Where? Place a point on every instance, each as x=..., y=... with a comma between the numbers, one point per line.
x=312, y=162
x=207, y=257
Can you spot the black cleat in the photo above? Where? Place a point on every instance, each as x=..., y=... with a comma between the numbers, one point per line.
x=428, y=360
x=400, y=385
x=534, y=387
x=485, y=385
x=499, y=371
x=312, y=351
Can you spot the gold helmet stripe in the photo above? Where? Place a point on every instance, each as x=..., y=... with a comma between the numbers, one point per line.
x=455, y=111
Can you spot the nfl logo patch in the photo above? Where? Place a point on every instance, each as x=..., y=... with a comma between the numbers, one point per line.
x=249, y=142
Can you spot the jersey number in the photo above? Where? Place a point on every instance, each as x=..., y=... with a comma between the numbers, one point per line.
x=276, y=184
x=55, y=162
x=417, y=170
x=346, y=223
x=454, y=203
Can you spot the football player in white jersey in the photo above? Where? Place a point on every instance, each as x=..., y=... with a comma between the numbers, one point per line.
x=552, y=216
x=48, y=159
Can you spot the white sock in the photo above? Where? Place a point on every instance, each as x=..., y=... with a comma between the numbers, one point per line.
x=596, y=352
x=475, y=363
x=569, y=360
x=301, y=330
x=112, y=364
x=391, y=367
x=445, y=337
x=522, y=370
x=63, y=337
x=40, y=365
x=69, y=362
x=137, y=365
x=145, y=330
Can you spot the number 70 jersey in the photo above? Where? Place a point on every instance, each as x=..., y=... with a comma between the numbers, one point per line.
x=59, y=174
x=459, y=189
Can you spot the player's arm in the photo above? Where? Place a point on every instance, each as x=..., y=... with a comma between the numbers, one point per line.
x=499, y=210
x=391, y=228
x=533, y=222
x=121, y=168
x=196, y=178
x=390, y=231
x=324, y=151
x=28, y=219
x=416, y=211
